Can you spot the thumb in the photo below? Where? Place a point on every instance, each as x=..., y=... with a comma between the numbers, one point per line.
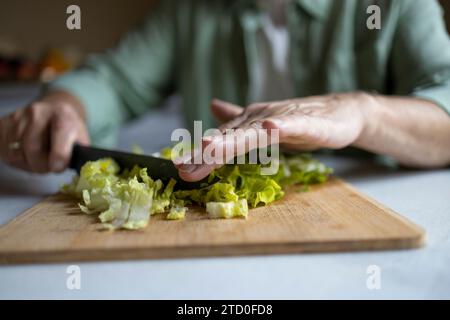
x=225, y=111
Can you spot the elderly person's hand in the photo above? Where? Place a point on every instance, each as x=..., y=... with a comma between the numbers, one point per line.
x=40, y=137
x=331, y=121
x=413, y=131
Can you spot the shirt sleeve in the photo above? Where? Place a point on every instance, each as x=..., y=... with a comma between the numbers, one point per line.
x=124, y=82
x=421, y=53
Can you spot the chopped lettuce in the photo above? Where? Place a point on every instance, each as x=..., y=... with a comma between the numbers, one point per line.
x=176, y=213
x=127, y=199
x=227, y=210
x=129, y=205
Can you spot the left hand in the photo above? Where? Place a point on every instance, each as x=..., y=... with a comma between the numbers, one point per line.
x=332, y=121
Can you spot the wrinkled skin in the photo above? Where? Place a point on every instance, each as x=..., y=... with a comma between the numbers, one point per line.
x=332, y=121
x=46, y=131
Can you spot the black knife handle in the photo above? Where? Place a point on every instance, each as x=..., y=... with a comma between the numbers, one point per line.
x=158, y=168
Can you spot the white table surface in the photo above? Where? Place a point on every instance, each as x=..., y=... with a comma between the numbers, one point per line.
x=421, y=196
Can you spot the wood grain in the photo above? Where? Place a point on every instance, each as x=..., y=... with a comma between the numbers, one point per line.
x=330, y=217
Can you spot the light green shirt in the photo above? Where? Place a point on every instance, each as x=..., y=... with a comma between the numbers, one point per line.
x=202, y=49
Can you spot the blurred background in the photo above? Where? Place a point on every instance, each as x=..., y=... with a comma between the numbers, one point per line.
x=36, y=45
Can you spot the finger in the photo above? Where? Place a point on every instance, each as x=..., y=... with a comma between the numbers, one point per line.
x=299, y=147
x=252, y=114
x=13, y=128
x=301, y=130
x=190, y=169
x=289, y=127
x=225, y=111
x=63, y=135
x=36, y=141
x=198, y=172
x=219, y=150
x=83, y=136
x=235, y=123
x=228, y=114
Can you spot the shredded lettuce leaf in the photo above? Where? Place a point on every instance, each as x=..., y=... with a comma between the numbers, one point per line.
x=176, y=213
x=127, y=199
x=227, y=210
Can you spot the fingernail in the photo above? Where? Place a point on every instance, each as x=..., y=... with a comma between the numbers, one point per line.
x=187, y=168
x=57, y=166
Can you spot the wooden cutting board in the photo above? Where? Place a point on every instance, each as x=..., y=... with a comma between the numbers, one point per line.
x=330, y=217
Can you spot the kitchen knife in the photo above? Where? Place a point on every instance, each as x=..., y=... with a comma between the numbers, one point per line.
x=157, y=168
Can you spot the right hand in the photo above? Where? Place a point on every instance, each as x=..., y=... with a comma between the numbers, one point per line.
x=39, y=138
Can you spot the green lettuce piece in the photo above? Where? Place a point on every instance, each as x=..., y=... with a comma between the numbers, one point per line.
x=162, y=199
x=127, y=199
x=301, y=169
x=191, y=196
x=122, y=201
x=129, y=207
x=227, y=210
x=176, y=213
x=247, y=183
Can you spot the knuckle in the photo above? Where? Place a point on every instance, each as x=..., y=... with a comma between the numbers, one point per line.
x=64, y=118
x=34, y=110
x=256, y=124
x=35, y=105
x=65, y=110
x=63, y=125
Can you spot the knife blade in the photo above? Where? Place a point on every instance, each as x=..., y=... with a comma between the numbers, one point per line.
x=157, y=168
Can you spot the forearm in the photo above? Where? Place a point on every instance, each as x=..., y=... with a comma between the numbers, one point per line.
x=413, y=131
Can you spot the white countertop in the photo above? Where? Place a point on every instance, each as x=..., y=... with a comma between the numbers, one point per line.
x=421, y=196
